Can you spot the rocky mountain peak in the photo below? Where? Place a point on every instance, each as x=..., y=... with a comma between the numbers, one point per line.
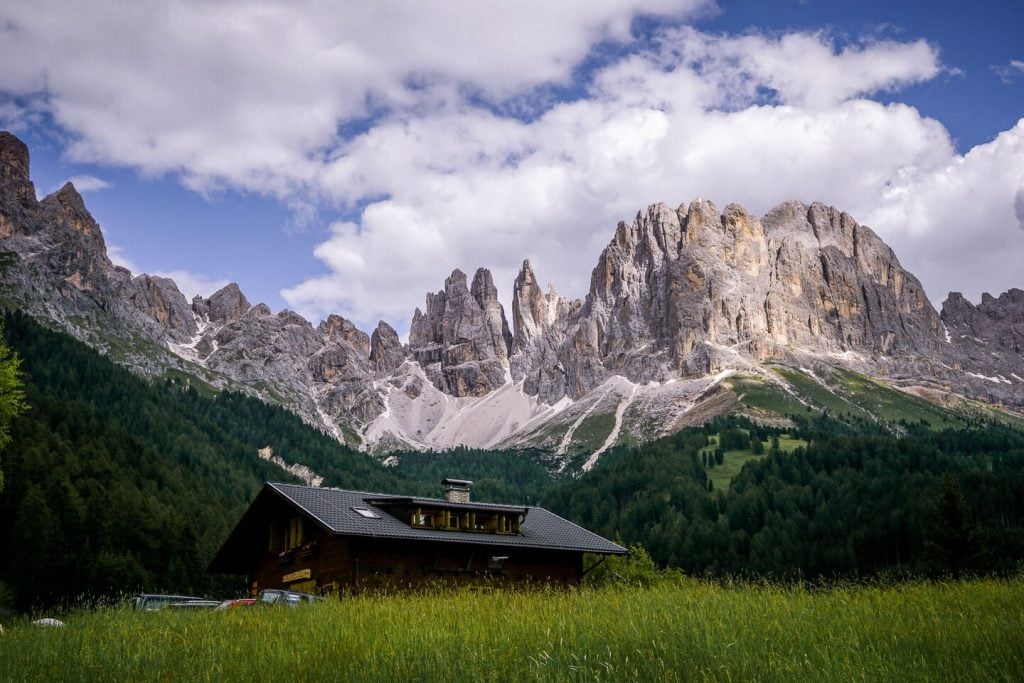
x=462, y=341
x=224, y=306
x=386, y=352
x=161, y=300
x=702, y=217
x=337, y=327
x=533, y=312
x=67, y=206
x=1008, y=306
x=455, y=284
x=17, y=193
x=486, y=296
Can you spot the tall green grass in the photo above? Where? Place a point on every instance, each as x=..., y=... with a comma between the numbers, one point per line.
x=686, y=630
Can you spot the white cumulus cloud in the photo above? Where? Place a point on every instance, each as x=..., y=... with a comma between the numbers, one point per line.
x=88, y=183
x=252, y=95
x=436, y=134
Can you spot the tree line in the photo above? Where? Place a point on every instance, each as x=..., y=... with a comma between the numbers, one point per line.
x=852, y=503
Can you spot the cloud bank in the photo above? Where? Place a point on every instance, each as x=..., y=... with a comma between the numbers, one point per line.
x=462, y=134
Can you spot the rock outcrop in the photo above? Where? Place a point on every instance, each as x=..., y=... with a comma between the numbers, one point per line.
x=17, y=194
x=386, y=351
x=160, y=299
x=462, y=342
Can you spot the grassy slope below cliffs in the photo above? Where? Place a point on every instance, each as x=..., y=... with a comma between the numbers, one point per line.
x=857, y=399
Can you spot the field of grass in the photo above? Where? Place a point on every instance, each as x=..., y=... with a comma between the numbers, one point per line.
x=894, y=405
x=593, y=431
x=756, y=393
x=816, y=394
x=843, y=393
x=684, y=630
x=733, y=461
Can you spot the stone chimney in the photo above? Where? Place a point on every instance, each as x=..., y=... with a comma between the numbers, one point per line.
x=456, y=490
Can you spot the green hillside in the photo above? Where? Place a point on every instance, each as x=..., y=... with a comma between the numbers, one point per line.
x=115, y=483
x=851, y=501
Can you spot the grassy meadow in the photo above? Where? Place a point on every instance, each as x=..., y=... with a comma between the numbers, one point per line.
x=674, y=630
x=734, y=460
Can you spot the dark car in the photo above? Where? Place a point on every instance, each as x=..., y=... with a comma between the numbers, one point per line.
x=150, y=602
x=283, y=598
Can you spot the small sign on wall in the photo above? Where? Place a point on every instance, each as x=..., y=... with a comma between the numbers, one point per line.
x=296, y=576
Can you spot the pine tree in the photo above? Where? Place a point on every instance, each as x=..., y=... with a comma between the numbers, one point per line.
x=955, y=544
x=12, y=395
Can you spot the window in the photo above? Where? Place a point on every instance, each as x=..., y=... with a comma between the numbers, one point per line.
x=485, y=521
x=293, y=533
x=366, y=512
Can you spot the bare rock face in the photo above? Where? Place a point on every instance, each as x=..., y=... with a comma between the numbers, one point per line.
x=17, y=194
x=986, y=342
x=534, y=313
x=336, y=327
x=856, y=297
x=679, y=293
x=386, y=352
x=998, y=321
x=160, y=299
x=226, y=305
x=462, y=341
x=540, y=321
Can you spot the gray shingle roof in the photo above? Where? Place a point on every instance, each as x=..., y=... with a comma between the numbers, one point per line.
x=540, y=529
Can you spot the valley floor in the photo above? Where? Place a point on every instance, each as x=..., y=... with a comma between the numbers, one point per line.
x=676, y=630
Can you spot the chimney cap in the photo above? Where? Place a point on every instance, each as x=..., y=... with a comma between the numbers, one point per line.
x=457, y=483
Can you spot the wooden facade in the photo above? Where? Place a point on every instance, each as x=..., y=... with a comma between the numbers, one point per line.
x=337, y=565
x=334, y=542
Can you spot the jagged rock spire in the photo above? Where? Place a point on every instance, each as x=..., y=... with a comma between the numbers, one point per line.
x=463, y=340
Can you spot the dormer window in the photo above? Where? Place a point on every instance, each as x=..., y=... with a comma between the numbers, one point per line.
x=464, y=520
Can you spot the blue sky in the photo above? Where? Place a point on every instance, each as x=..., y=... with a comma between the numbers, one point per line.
x=338, y=158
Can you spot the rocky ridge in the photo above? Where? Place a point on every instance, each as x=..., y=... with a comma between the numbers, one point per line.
x=679, y=300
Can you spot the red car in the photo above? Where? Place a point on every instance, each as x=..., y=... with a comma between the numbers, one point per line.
x=240, y=602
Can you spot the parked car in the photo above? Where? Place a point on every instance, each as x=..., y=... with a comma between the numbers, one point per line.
x=150, y=602
x=241, y=602
x=283, y=598
x=194, y=604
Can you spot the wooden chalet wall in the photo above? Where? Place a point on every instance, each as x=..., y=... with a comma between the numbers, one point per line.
x=329, y=565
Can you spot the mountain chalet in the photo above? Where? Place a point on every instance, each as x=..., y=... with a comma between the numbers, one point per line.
x=331, y=541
